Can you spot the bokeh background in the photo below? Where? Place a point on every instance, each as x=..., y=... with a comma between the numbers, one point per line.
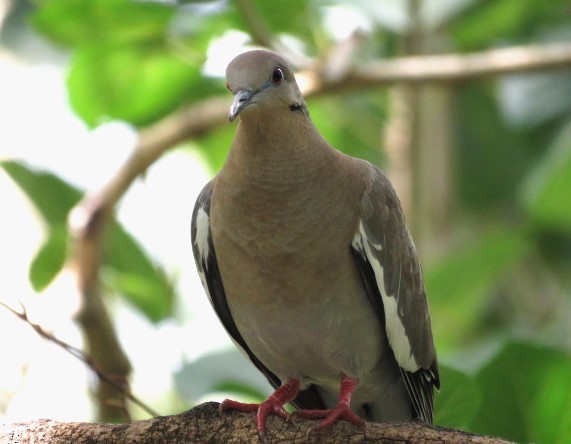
x=482, y=165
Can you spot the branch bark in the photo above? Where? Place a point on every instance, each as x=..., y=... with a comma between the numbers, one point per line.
x=101, y=342
x=203, y=424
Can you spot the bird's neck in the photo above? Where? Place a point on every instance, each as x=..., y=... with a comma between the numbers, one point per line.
x=275, y=183
x=277, y=149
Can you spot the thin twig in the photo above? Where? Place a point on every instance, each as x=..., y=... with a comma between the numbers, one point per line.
x=79, y=354
x=261, y=34
x=259, y=29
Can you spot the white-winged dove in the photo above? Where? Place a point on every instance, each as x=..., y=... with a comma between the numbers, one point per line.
x=306, y=258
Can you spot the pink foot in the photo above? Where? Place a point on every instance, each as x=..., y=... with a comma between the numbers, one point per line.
x=341, y=412
x=271, y=406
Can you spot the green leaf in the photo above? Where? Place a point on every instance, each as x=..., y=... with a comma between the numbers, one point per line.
x=135, y=83
x=546, y=193
x=459, y=286
x=498, y=21
x=458, y=400
x=52, y=196
x=79, y=22
x=49, y=260
x=526, y=395
x=136, y=277
x=129, y=270
x=127, y=63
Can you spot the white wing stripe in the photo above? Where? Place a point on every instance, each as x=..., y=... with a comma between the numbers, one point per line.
x=202, y=233
x=396, y=334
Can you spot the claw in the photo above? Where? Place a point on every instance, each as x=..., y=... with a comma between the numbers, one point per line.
x=287, y=392
x=342, y=412
x=271, y=406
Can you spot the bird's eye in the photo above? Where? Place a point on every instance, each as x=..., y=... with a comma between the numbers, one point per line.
x=277, y=76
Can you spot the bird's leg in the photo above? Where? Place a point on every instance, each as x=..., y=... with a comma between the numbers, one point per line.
x=342, y=410
x=273, y=405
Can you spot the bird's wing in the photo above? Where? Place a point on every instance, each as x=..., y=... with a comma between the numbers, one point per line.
x=207, y=265
x=386, y=258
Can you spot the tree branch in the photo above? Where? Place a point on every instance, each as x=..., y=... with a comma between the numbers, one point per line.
x=203, y=424
x=259, y=29
x=101, y=342
x=153, y=141
x=88, y=222
x=206, y=115
x=442, y=68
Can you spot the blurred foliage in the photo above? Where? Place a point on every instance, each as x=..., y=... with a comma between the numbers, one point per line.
x=124, y=63
x=526, y=394
x=126, y=267
x=546, y=191
x=504, y=276
x=462, y=285
x=458, y=401
x=488, y=23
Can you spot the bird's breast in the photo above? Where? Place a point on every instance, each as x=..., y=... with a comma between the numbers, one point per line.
x=279, y=238
x=290, y=279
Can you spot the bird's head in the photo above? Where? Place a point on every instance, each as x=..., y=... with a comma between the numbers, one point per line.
x=263, y=81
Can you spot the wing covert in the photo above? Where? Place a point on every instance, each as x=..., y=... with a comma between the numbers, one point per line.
x=388, y=263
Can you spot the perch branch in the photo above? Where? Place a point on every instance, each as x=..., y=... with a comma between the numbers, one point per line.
x=204, y=424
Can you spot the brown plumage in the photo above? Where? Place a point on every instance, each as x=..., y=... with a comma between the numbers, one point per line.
x=307, y=260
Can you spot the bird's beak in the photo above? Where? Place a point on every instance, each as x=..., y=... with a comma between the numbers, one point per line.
x=241, y=101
